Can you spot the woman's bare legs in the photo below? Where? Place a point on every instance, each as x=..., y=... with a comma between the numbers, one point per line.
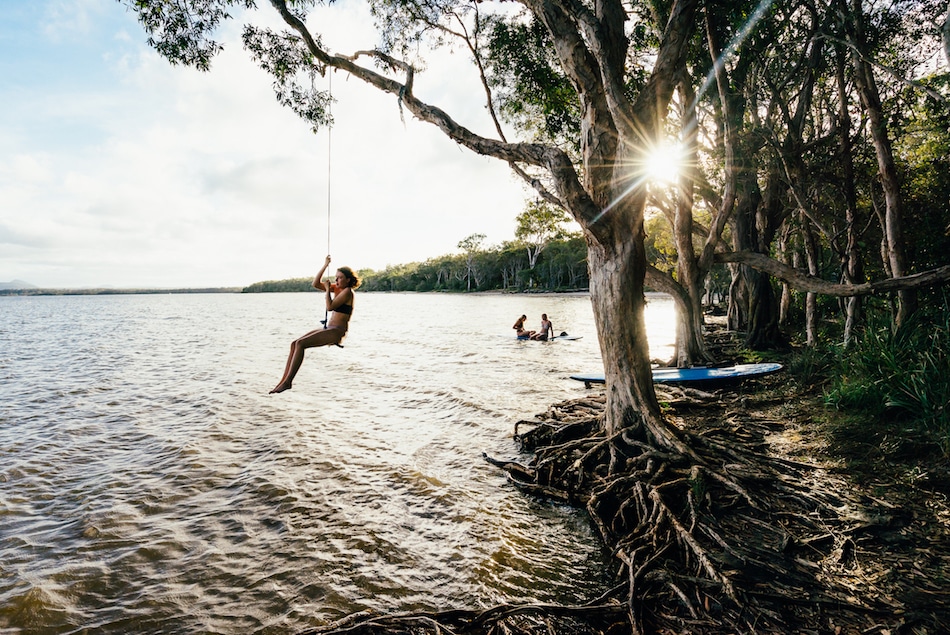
x=320, y=337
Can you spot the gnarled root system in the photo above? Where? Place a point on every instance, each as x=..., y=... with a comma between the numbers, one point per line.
x=735, y=538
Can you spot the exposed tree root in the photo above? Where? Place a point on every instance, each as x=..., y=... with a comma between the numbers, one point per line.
x=732, y=539
x=527, y=619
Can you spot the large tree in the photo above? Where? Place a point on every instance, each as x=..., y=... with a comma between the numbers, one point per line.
x=592, y=177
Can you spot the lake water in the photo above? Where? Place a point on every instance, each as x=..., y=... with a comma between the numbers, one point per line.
x=148, y=482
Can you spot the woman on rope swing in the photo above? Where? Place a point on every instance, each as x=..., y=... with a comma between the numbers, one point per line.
x=339, y=297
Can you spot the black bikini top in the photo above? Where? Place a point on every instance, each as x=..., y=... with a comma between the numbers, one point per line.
x=346, y=309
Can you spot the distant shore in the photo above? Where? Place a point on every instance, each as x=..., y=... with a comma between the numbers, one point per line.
x=106, y=291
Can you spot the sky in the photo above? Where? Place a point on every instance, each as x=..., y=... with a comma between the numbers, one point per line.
x=118, y=169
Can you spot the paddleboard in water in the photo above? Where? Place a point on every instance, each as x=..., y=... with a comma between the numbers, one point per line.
x=565, y=337
x=696, y=375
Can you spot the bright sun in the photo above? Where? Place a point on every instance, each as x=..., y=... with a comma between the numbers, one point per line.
x=663, y=163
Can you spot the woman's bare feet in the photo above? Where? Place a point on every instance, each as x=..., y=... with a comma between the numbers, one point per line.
x=281, y=387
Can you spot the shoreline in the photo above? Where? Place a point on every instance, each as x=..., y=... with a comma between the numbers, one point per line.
x=105, y=291
x=240, y=290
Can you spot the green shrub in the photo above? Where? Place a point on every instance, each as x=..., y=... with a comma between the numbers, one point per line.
x=811, y=365
x=902, y=378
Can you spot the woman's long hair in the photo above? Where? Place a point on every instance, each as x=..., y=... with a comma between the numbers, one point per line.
x=353, y=281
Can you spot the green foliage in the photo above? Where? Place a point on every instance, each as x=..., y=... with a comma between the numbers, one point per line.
x=659, y=244
x=403, y=25
x=285, y=57
x=532, y=91
x=280, y=286
x=472, y=243
x=899, y=378
x=811, y=365
x=182, y=31
x=562, y=266
x=923, y=149
x=541, y=222
x=538, y=225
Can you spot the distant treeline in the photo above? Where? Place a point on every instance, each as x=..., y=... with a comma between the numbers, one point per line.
x=561, y=266
x=279, y=286
x=35, y=291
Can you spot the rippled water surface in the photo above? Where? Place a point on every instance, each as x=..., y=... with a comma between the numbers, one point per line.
x=148, y=482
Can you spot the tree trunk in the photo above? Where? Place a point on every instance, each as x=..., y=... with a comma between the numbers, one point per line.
x=811, y=299
x=756, y=304
x=735, y=313
x=785, y=301
x=690, y=344
x=871, y=100
x=853, y=266
x=946, y=35
x=617, y=271
x=688, y=327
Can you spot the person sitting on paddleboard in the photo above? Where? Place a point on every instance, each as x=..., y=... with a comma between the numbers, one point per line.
x=339, y=300
x=547, y=329
x=520, y=330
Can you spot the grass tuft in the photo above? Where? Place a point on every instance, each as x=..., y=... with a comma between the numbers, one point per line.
x=901, y=379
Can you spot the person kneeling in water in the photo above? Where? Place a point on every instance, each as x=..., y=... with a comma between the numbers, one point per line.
x=547, y=329
x=520, y=331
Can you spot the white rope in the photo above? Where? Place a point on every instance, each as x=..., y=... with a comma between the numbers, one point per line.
x=329, y=153
x=326, y=313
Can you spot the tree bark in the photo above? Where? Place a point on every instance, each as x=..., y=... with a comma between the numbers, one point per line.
x=890, y=183
x=804, y=282
x=617, y=271
x=690, y=344
x=811, y=298
x=785, y=300
x=945, y=31
x=853, y=266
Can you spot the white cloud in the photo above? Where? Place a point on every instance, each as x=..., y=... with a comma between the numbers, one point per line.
x=146, y=174
x=65, y=20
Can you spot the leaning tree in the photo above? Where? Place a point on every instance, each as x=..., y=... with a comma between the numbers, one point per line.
x=622, y=106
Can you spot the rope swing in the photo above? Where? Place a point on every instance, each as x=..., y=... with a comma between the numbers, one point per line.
x=318, y=337
x=329, y=149
x=326, y=312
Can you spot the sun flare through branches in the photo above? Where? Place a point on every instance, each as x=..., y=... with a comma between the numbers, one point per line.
x=663, y=163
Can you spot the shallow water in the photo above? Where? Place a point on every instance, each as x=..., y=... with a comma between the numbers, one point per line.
x=148, y=482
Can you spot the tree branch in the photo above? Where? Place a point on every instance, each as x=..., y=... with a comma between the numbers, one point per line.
x=604, y=32
x=572, y=194
x=804, y=282
x=598, y=127
x=654, y=99
x=895, y=73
